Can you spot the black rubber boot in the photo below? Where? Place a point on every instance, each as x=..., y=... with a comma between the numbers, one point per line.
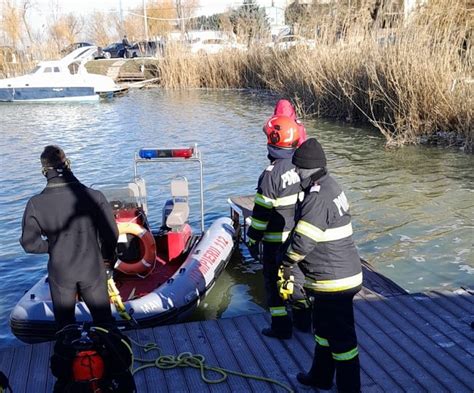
x=280, y=334
x=348, y=376
x=302, y=319
x=281, y=328
x=322, y=370
x=308, y=380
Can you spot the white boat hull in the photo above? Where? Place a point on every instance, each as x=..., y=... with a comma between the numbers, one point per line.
x=32, y=320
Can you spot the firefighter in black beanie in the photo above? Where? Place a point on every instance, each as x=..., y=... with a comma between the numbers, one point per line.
x=323, y=250
x=76, y=227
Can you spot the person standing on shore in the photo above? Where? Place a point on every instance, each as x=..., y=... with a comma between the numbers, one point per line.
x=322, y=248
x=284, y=108
x=126, y=46
x=273, y=218
x=75, y=225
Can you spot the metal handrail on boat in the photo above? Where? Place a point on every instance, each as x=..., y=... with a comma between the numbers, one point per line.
x=147, y=155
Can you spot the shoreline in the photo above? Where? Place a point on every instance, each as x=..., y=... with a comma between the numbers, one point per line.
x=238, y=71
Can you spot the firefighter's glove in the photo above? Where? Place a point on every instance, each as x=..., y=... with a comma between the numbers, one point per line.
x=254, y=249
x=286, y=282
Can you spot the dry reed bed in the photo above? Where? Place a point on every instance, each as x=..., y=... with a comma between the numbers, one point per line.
x=415, y=84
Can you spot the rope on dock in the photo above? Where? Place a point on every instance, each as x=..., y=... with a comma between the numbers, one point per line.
x=187, y=359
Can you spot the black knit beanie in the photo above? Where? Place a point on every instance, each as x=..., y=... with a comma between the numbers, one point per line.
x=53, y=157
x=309, y=155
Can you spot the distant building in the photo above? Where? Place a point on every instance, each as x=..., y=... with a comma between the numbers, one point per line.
x=275, y=12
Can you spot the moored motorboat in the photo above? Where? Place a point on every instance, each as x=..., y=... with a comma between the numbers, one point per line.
x=66, y=79
x=161, y=275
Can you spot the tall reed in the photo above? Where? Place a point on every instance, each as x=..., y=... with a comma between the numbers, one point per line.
x=412, y=81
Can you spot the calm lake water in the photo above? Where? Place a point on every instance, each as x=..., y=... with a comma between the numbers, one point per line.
x=413, y=208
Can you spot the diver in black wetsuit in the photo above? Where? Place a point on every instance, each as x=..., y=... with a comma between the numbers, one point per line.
x=75, y=226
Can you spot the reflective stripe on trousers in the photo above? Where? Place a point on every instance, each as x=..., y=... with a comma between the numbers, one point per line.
x=338, y=285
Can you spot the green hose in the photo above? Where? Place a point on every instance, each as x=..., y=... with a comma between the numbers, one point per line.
x=187, y=359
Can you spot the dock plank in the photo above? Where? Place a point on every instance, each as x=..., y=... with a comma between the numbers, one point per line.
x=271, y=363
x=240, y=345
x=226, y=355
x=416, y=342
x=454, y=318
x=435, y=334
x=39, y=357
x=408, y=343
x=183, y=344
x=21, y=368
x=201, y=345
x=395, y=377
x=50, y=379
x=298, y=352
x=174, y=377
x=6, y=361
x=141, y=377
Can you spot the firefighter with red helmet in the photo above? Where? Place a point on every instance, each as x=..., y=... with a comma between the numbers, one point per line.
x=321, y=247
x=285, y=108
x=273, y=219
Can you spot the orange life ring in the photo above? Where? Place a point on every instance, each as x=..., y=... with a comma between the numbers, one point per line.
x=147, y=243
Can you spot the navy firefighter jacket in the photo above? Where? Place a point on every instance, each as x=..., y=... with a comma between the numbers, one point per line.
x=75, y=225
x=322, y=243
x=273, y=215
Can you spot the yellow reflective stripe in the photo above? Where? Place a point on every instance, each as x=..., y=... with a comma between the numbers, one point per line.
x=258, y=224
x=316, y=234
x=321, y=341
x=275, y=237
x=303, y=302
x=346, y=355
x=286, y=201
x=264, y=201
x=278, y=311
x=293, y=255
x=334, y=285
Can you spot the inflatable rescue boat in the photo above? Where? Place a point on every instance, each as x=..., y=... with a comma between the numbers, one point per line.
x=160, y=275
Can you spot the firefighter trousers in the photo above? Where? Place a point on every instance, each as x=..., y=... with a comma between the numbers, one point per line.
x=336, y=349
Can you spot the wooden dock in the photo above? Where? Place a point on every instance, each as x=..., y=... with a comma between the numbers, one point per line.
x=408, y=343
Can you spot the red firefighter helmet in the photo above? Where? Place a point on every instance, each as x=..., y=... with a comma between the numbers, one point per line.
x=281, y=132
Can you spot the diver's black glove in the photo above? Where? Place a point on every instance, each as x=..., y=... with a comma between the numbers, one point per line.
x=109, y=269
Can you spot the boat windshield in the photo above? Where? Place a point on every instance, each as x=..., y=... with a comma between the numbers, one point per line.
x=124, y=195
x=35, y=70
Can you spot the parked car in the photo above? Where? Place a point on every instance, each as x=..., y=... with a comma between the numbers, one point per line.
x=76, y=45
x=146, y=49
x=115, y=50
x=290, y=41
x=214, y=45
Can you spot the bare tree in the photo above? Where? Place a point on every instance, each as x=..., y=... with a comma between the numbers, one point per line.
x=66, y=29
x=185, y=9
x=11, y=23
x=133, y=25
x=26, y=6
x=99, y=28
x=160, y=17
